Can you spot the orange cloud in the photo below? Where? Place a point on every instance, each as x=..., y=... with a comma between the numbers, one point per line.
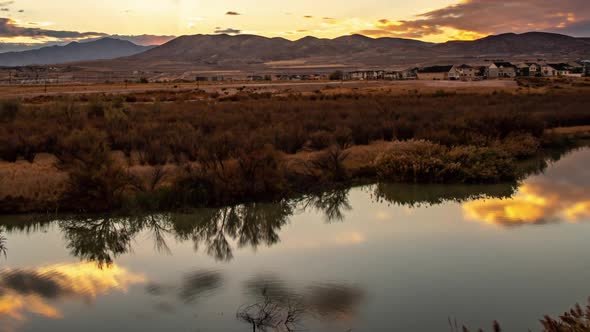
x=473, y=19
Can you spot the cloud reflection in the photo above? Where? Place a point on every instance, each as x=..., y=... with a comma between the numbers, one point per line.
x=560, y=195
x=35, y=291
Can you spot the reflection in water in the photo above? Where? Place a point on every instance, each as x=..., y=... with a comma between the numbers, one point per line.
x=98, y=239
x=326, y=300
x=199, y=284
x=37, y=290
x=416, y=195
x=283, y=308
x=2, y=243
x=333, y=204
x=249, y=225
x=561, y=194
x=558, y=194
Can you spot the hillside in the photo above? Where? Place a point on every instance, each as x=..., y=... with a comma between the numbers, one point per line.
x=249, y=52
x=102, y=49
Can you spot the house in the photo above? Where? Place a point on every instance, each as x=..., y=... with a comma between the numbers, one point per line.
x=463, y=73
x=563, y=69
x=528, y=69
x=367, y=75
x=501, y=70
x=434, y=73
x=534, y=69
x=585, y=67
x=548, y=70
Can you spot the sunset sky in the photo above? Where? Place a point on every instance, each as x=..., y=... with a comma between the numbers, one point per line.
x=44, y=22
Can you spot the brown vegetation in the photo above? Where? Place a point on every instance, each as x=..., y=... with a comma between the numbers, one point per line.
x=224, y=150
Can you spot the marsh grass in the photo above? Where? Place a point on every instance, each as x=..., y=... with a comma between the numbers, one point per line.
x=230, y=150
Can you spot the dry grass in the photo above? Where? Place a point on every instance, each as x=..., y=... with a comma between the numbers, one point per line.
x=255, y=145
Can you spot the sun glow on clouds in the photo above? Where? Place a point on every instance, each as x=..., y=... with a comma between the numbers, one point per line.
x=30, y=291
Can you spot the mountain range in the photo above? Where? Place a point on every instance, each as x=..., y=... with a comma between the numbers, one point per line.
x=225, y=52
x=102, y=49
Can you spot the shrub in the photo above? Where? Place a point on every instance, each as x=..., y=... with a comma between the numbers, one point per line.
x=336, y=76
x=412, y=161
x=520, y=145
x=423, y=161
x=478, y=164
x=95, y=181
x=321, y=140
x=8, y=110
x=329, y=165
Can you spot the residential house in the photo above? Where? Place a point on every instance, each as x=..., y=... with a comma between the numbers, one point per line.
x=548, y=70
x=563, y=69
x=434, y=73
x=503, y=70
x=463, y=73
x=492, y=71
x=528, y=69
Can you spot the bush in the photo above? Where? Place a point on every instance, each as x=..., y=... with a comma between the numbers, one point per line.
x=520, y=145
x=321, y=140
x=336, y=76
x=8, y=110
x=478, y=164
x=412, y=161
x=95, y=181
x=423, y=161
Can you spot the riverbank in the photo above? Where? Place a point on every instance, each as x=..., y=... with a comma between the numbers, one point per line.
x=109, y=153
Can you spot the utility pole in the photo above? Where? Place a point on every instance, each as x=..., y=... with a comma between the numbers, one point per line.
x=9, y=77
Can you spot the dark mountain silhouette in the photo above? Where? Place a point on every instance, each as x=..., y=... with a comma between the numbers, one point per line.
x=105, y=48
x=225, y=52
x=511, y=44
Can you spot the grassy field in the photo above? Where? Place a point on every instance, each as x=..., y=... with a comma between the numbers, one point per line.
x=171, y=149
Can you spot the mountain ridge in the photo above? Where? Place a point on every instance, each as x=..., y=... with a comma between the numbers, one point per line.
x=102, y=49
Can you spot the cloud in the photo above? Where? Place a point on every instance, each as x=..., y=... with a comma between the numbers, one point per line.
x=228, y=31
x=483, y=17
x=6, y=3
x=9, y=28
x=146, y=40
x=32, y=35
x=232, y=13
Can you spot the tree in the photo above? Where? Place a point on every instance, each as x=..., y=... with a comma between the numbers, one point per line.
x=336, y=76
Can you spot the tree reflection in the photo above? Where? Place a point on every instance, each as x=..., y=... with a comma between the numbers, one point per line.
x=333, y=203
x=99, y=239
x=250, y=225
x=281, y=307
x=2, y=243
x=102, y=239
x=415, y=195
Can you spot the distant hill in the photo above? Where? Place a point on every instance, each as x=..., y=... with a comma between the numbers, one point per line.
x=511, y=44
x=102, y=49
x=250, y=52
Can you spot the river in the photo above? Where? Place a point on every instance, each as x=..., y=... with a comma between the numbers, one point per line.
x=381, y=257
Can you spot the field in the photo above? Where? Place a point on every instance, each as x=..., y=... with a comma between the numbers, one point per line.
x=154, y=147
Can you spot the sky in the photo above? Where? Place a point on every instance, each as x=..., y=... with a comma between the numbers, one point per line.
x=42, y=22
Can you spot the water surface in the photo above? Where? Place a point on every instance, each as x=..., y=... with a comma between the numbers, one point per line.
x=374, y=258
